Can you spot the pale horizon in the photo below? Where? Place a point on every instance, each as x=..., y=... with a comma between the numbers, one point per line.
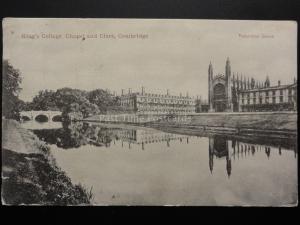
x=175, y=55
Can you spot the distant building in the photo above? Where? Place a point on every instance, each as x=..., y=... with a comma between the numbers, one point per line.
x=232, y=94
x=226, y=93
x=201, y=106
x=275, y=98
x=147, y=103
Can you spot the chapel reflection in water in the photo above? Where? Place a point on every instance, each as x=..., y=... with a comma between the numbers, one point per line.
x=233, y=148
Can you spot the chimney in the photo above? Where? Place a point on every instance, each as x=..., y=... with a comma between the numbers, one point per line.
x=278, y=82
x=168, y=92
x=122, y=92
x=180, y=94
x=129, y=91
x=187, y=94
x=143, y=90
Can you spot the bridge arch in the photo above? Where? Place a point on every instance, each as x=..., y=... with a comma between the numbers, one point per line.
x=25, y=118
x=41, y=118
x=57, y=118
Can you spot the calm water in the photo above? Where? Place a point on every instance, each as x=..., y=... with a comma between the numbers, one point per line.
x=127, y=165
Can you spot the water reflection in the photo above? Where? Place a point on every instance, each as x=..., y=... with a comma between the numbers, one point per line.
x=74, y=135
x=35, y=125
x=224, y=147
x=144, y=165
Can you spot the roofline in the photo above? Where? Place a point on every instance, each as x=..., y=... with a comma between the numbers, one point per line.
x=157, y=95
x=269, y=88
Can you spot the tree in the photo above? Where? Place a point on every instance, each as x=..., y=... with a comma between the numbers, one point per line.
x=11, y=88
x=71, y=112
x=45, y=100
x=66, y=96
x=25, y=106
x=74, y=104
x=88, y=109
x=102, y=99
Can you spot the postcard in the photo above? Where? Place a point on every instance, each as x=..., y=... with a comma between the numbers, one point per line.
x=163, y=112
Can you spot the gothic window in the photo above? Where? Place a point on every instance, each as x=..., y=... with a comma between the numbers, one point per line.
x=219, y=92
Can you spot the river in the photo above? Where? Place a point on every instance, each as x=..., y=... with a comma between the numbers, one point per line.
x=130, y=165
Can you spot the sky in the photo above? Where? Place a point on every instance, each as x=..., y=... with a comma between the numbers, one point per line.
x=174, y=54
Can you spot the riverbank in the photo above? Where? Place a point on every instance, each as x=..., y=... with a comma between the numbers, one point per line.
x=30, y=174
x=267, y=124
x=252, y=120
x=275, y=124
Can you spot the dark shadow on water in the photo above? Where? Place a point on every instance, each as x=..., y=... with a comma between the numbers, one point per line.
x=74, y=135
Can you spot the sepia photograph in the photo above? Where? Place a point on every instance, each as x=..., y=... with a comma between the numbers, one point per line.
x=149, y=112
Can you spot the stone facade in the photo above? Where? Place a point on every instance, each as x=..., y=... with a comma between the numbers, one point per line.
x=227, y=93
x=147, y=103
x=276, y=98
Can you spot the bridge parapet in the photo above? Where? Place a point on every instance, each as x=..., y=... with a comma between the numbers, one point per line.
x=32, y=115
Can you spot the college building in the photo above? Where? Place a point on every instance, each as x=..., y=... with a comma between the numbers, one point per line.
x=226, y=93
x=147, y=103
x=230, y=93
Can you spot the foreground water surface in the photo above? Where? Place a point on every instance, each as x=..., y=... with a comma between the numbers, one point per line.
x=129, y=165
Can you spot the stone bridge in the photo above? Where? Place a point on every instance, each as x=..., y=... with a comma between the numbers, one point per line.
x=41, y=115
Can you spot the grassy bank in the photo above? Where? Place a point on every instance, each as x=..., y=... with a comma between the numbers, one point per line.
x=30, y=174
x=260, y=120
x=279, y=122
x=266, y=120
x=275, y=124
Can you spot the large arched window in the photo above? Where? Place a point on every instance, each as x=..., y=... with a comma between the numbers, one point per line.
x=219, y=92
x=219, y=98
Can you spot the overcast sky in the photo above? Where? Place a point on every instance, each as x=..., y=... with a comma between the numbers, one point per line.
x=175, y=55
